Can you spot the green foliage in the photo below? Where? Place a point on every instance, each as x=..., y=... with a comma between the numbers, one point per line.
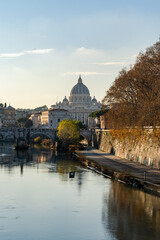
x=24, y=122
x=98, y=113
x=40, y=109
x=28, y=123
x=80, y=125
x=38, y=140
x=68, y=132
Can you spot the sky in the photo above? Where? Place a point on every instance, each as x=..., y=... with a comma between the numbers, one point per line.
x=46, y=44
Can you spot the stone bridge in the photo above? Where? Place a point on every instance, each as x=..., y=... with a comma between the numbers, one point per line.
x=11, y=134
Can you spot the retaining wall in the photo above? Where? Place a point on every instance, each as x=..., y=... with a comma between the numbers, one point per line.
x=141, y=146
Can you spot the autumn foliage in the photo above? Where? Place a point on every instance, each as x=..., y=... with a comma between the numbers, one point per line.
x=68, y=133
x=134, y=97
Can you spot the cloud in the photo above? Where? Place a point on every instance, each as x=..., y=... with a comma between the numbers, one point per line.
x=87, y=51
x=11, y=55
x=85, y=73
x=39, y=51
x=29, y=52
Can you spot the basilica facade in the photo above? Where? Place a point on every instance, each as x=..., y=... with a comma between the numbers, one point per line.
x=79, y=104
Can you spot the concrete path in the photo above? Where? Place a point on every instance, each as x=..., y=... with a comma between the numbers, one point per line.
x=120, y=165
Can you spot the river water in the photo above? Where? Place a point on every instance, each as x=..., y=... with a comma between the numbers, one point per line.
x=38, y=201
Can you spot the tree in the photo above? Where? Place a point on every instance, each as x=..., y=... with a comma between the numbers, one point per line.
x=134, y=96
x=24, y=122
x=41, y=108
x=98, y=113
x=68, y=133
x=80, y=125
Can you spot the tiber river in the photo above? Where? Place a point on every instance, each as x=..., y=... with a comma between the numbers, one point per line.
x=38, y=201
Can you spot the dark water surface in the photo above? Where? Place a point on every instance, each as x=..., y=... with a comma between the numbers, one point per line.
x=38, y=201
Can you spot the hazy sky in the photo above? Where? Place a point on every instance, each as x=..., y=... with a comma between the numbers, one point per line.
x=45, y=45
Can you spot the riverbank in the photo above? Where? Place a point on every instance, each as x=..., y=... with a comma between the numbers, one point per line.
x=131, y=173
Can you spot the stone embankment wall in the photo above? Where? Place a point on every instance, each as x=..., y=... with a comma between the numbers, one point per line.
x=141, y=146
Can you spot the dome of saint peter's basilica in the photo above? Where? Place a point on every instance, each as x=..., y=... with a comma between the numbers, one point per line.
x=79, y=104
x=80, y=93
x=80, y=88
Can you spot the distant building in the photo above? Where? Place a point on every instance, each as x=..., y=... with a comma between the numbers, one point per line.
x=78, y=107
x=80, y=103
x=9, y=119
x=0, y=122
x=45, y=119
x=21, y=114
x=56, y=116
x=103, y=121
x=36, y=119
x=1, y=114
x=50, y=118
x=93, y=122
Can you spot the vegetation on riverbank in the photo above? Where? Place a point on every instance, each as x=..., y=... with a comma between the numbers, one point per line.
x=68, y=137
x=24, y=122
x=136, y=133
x=68, y=133
x=134, y=97
x=45, y=143
x=98, y=113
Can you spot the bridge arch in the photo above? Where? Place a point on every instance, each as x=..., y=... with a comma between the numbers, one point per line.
x=87, y=135
x=9, y=137
x=12, y=134
x=84, y=140
x=40, y=134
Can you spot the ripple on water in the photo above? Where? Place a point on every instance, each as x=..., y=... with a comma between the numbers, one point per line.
x=2, y=228
x=10, y=207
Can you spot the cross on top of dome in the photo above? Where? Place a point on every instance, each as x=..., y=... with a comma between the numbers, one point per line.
x=79, y=79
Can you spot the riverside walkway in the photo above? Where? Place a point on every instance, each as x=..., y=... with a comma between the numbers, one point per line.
x=121, y=165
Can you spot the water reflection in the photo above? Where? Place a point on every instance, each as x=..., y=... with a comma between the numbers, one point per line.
x=61, y=163
x=40, y=201
x=131, y=214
